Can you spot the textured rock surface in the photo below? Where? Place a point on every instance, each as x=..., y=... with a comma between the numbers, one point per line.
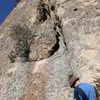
x=81, y=31
x=38, y=50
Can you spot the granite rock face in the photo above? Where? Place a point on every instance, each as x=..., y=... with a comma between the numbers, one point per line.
x=81, y=31
x=43, y=42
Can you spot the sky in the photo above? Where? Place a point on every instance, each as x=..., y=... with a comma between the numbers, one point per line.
x=6, y=6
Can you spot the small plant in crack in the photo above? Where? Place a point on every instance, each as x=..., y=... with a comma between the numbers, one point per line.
x=57, y=23
x=44, y=11
x=21, y=34
x=56, y=46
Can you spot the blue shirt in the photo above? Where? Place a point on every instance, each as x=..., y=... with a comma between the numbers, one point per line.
x=88, y=89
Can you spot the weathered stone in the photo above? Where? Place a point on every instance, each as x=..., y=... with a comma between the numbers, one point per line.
x=66, y=41
x=43, y=42
x=81, y=31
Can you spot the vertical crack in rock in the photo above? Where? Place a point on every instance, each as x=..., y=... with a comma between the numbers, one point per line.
x=58, y=29
x=58, y=68
x=43, y=12
x=56, y=46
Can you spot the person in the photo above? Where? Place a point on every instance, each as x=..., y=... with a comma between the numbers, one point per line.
x=83, y=91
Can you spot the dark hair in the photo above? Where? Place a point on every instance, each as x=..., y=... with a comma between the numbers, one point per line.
x=73, y=85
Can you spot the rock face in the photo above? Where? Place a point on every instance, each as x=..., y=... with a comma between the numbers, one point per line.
x=43, y=42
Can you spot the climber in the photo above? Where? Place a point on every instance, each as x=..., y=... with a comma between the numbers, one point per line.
x=83, y=91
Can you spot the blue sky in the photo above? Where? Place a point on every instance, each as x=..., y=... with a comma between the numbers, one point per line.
x=6, y=6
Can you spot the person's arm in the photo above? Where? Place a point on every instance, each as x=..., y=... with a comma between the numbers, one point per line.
x=79, y=94
x=76, y=96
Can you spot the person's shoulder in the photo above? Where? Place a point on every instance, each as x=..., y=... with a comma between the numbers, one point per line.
x=86, y=85
x=77, y=88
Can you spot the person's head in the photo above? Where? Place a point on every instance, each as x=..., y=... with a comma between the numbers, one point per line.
x=74, y=81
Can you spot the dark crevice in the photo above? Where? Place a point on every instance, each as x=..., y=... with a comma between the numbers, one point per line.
x=75, y=9
x=52, y=8
x=56, y=46
x=58, y=25
x=44, y=11
x=65, y=44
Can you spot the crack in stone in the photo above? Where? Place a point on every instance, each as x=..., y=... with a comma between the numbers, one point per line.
x=56, y=46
